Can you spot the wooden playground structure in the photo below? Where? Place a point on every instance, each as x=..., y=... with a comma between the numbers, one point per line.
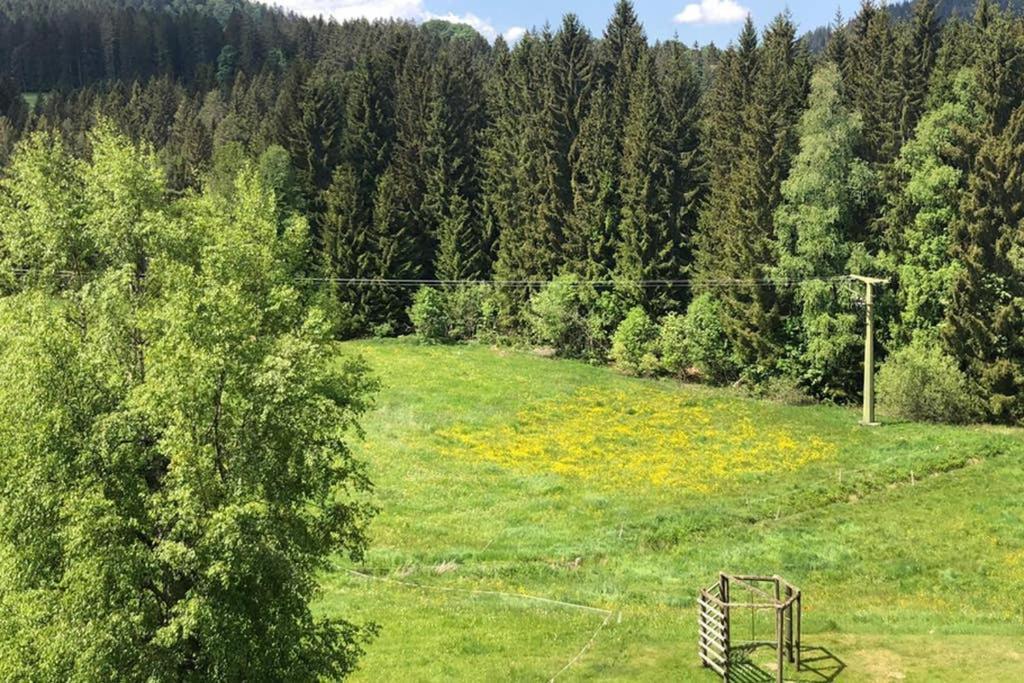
x=733, y=595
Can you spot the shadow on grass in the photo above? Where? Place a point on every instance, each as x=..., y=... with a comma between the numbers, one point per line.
x=817, y=665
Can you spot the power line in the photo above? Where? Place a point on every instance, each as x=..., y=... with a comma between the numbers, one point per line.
x=530, y=283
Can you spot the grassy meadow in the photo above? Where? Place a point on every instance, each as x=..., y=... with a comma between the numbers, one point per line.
x=510, y=484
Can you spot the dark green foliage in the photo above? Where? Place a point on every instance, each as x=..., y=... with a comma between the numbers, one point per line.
x=755, y=107
x=985, y=320
x=650, y=243
x=422, y=152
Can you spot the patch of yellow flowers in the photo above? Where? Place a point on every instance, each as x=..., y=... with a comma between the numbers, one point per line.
x=615, y=439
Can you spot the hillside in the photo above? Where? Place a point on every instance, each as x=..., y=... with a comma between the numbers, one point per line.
x=503, y=474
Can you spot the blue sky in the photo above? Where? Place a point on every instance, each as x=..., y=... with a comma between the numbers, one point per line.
x=700, y=21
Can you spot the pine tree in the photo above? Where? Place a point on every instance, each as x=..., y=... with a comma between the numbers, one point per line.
x=521, y=185
x=451, y=201
x=918, y=51
x=985, y=320
x=348, y=247
x=393, y=249
x=315, y=144
x=756, y=107
x=592, y=235
x=596, y=158
x=650, y=244
x=680, y=96
x=190, y=148
x=869, y=86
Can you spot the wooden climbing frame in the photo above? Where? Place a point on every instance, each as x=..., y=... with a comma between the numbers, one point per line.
x=718, y=603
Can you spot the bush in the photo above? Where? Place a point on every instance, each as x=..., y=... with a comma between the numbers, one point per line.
x=707, y=347
x=429, y=315
x=464, y=308
x=672, y=345
x=557, y=317
x=634, y=343
x=449, y=315
x=924, y=384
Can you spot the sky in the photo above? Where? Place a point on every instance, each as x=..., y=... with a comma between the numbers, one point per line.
x=700, y=21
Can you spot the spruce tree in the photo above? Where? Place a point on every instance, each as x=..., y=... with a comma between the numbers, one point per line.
x=650, y=243
x=756, y=107
x=591, y=238
x=348, y=247
x=918, y=51
x=393, y=256
x=451, y=201
x=985, y=320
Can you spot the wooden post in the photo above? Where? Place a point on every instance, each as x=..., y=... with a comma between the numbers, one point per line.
x=868, y=418
x=789, y=625
x=799, y=616
x=779, y=644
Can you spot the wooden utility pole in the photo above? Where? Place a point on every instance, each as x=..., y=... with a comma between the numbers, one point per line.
x=868, y=419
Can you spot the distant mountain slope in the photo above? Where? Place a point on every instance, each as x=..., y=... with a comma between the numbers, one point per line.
x=817, y=38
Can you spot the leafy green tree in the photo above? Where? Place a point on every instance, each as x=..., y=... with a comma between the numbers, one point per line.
x=819, y=233
x=933, y=168
x=173, y=460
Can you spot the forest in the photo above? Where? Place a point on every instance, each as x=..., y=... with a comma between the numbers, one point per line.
x=264, y=276
x=680, y=210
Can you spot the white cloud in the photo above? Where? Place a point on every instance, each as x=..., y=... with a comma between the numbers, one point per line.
x=513, y=34
x=712, y=12
x=411, y=10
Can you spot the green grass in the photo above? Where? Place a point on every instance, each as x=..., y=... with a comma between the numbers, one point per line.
x=513, y=474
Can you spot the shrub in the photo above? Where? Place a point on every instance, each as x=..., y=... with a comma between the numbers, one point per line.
x=707, y=347
x=429, y=315
x=634, y=343
x=464, y=308
x=672, y=345
x=556, y=316
x=922, y=383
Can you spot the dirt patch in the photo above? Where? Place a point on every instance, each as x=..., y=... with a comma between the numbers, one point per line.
x=881, y=664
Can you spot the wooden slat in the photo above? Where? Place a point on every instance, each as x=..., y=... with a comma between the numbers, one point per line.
x=713, y=627
x=712, y=608
x=718, y=668
x=706, y=643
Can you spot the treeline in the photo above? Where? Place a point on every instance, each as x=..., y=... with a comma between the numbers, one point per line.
x=62, y=44
x=724, y=194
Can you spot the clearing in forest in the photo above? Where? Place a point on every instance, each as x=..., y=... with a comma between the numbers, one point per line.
x=502, y=474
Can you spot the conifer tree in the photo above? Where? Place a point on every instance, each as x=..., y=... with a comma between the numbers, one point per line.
x=451, y=201
x=985, y=320
x=756, y=106
x=189, y=149
x=680, y=101
x=348, y=249
x=649, y=243
x=592, y=235
x=918, y=51
x=394, y=258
